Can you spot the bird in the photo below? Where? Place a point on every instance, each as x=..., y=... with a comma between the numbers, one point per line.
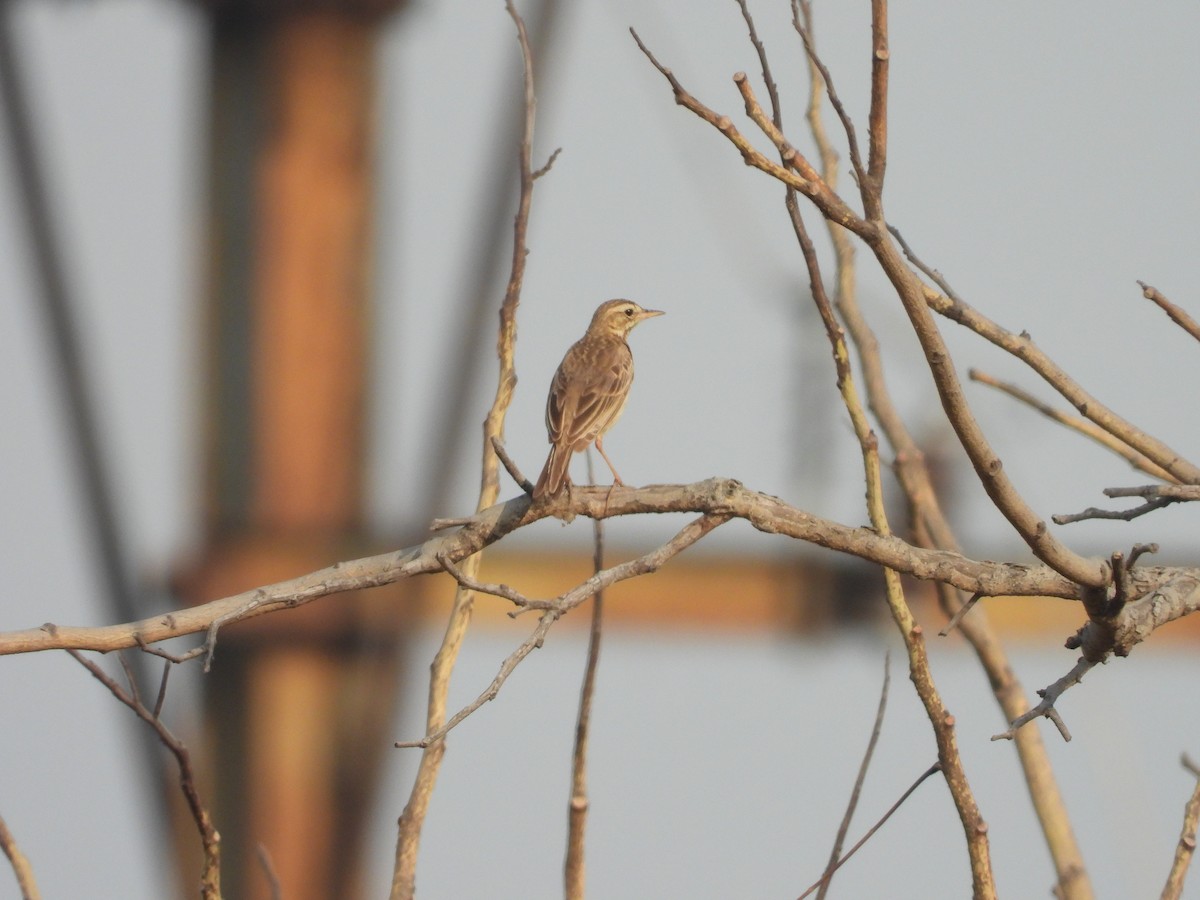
x=589, y=391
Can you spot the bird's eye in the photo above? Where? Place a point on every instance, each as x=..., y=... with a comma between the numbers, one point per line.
x=629, y=311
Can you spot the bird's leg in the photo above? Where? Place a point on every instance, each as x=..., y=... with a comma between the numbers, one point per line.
x=600, y=446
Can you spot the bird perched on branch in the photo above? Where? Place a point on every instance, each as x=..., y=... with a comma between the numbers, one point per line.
x=589, y=391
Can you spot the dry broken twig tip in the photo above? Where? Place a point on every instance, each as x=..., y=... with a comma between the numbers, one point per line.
x=510, y=466
x=959, y=613
x=1177, y=315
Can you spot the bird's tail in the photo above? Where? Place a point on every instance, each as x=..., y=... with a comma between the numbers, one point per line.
x=553, y=473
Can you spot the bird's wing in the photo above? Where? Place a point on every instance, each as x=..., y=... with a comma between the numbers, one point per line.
x=585, y=397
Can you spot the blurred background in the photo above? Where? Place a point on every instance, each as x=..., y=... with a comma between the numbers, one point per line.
x=255, y=253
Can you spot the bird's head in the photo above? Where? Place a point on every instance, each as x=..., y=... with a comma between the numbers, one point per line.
x=617, y=317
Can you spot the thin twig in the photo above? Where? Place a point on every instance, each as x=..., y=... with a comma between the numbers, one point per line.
x=856, y=793
x=936, y=767
x=268, y=867
x=1085, y=427
x=548, y=166
x=1094, y=512
x=482, y=587
x=804, y=179
x=1186, y=847
x=1159, y=495
x=1178, y=316
x=210, y=875
x=20, y=864
x=860, y=171
x=511, y=467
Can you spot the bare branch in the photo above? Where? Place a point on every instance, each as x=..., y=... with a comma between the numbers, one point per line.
x=1181, y=492
x=931, y=528
x=20, y=864
x=548, y=166
x=835, y=101
x=1178, y=316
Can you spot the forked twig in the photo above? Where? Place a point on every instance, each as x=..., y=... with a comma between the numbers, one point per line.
x=1046, y=708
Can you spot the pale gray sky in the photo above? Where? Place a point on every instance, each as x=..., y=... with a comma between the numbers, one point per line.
x=1042, y=156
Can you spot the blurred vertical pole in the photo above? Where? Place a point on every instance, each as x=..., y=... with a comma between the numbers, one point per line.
x=297, y=705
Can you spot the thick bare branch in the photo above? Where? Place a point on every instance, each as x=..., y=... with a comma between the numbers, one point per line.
x=715, y=496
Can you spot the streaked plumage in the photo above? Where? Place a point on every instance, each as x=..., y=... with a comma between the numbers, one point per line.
x=589, y=391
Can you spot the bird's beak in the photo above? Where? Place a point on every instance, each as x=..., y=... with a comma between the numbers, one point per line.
x=650, y=314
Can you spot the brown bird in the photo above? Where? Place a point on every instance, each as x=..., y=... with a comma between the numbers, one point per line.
x=589, y=391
